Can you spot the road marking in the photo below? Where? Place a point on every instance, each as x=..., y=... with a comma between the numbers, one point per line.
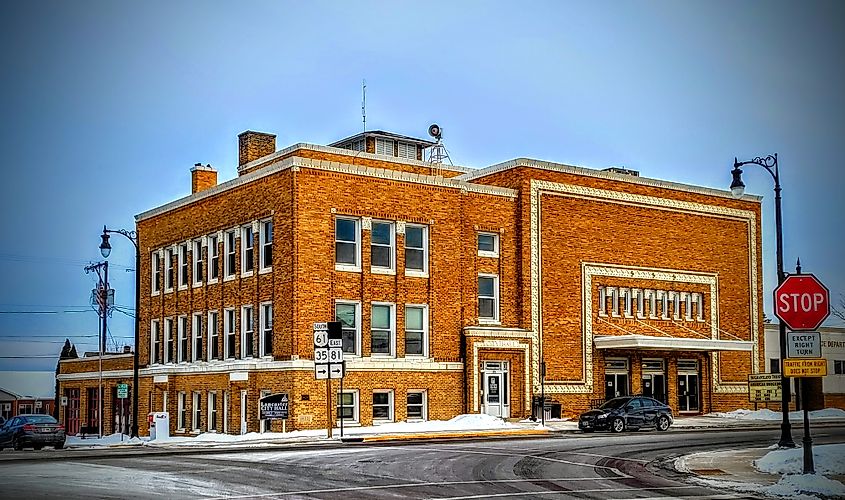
x=573, y=453
x=688, y=497
x=567, y=492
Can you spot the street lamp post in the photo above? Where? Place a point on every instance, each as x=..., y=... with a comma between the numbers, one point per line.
x=770, y=163
x=105, y=249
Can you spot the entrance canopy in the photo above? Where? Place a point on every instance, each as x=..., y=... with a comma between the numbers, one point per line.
x=669, y=343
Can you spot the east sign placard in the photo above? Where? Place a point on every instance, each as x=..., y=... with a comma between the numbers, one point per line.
x=802, y=302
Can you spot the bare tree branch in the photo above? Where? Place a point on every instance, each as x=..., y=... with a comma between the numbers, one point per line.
x=839, y=310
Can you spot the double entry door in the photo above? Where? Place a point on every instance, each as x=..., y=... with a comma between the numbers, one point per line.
x=495, y=396
x=688, y=386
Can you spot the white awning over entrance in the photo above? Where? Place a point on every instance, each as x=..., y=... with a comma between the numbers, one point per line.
x=669, y=343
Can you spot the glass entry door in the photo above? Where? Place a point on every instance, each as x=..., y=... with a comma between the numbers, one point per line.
x=615, y=385
x=688, y=392
x=654, y=386
x=495, y=387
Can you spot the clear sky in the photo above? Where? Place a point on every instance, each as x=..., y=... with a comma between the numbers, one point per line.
x=106, y=106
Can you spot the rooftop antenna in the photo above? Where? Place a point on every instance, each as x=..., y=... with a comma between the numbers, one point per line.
x=364, y=102
x=438, y=151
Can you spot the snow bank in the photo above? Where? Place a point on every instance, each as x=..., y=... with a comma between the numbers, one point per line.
x=828, y=459
x=792, y=486
x=111, y=440
x=767, y=414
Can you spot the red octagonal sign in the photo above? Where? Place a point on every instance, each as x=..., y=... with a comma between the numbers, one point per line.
x=802, y=302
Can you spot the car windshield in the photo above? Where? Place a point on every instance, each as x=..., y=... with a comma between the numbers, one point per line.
x=614, y=403
x=40, y=419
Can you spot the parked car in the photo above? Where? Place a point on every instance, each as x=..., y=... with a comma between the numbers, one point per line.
x=627, y=413
x=34, y=431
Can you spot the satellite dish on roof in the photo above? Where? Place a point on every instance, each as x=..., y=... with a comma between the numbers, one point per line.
x=434, y=131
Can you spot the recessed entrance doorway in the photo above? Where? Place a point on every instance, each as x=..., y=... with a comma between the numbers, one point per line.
x=495, y=387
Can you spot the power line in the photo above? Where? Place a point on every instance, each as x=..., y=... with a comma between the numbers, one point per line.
x=67, y=311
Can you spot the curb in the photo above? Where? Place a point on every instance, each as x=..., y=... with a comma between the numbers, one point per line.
x=450, y=436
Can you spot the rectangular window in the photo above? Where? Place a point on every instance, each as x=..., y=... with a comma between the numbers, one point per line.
x=381, y=329
x=168, y=270
x=180, y=411
x=774, y=365
x=155, y=262
x=416, y=330
x=196, y=414
x=229, y=250
x=196, y=255
x=247, y=332
x=226, y=402
x=155, y=338
x=213, y=336
x=488, y=298
x=182, y=328
x=407, y=150
x=415, y=407
x=347, y=406
x=183, y=265
x=839, y=367
x=416, y=249
x=384, y=147
x=169, y=341
x=266, y=244
x=382, y=406
x=267, y=329
x=196, y=335
x=247, y=250
x=229, y=320
x=347, y=238
x=213, y=259
x=488, y=244
x=382, y=246
x=348, y=313
x=264, y=425
x=212, y=412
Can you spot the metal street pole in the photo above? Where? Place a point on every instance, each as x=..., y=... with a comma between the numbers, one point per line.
x=770, y=163
x=809, y=466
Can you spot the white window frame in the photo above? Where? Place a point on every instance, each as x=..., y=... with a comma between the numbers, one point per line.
x=496, y=303
x=197, y=263
x=227, y=400
x=391, y=267
x=423, y=273
x=264, y=245
x=424, y=308
x=196, y=335
x=182, y=341
x=357, y=305
x=169, y=272
x=183, y=266
x=391, y=416
x=382, y=144
x=211, y=401
x=180, y=412
x=391, y=330
x=265, y=308
x=155, y=334
x=343, y=266
x=229, y=320
x=213, y=327
x=212, y=254
x=229, y=249
x=196, y=411
x=168, y=340
x=424, y=405
x=247, y=245
x=244, y=331
x=156, y=273
x=356, y=407
x=488, y=253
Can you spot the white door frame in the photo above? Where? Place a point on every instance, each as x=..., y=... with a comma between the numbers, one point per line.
x=243, y=411
x=499, y=370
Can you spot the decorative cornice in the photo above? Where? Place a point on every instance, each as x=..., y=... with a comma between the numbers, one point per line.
x=63, y=377
x=246, y=365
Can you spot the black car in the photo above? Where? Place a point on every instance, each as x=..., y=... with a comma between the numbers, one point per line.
x=34, y=431
x=628, y=412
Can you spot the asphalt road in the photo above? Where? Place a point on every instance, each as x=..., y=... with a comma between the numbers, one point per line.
x=568, y=466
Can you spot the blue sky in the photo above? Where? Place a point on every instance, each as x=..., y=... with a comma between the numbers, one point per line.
x=107, y=105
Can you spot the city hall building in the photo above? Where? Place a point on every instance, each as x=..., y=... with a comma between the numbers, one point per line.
x=459, y=290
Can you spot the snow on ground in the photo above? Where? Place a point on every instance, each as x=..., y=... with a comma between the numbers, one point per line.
x=767, y=414
x=792, y=486
x=827, y=458
x=112, y=440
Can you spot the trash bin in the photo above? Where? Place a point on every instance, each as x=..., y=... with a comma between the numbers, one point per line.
x=159, y=425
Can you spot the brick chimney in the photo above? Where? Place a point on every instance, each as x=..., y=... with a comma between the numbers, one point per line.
x=202, y=178
x=254, y=145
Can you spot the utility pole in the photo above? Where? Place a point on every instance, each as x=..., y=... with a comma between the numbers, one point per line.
x=101, y=294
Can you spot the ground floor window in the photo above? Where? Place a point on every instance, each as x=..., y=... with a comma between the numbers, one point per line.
x=382, y=406
x=180, y=411
x=93, y=407
x=212, y=412
x=416, y=405
x=197, y=412
x=839, y=366
x=264, y=424
x=347, y=406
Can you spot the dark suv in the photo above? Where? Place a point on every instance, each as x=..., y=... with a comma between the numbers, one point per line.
x=34, y=431
x=628, y=412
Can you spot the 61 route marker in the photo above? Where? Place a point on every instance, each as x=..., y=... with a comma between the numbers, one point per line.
x=802, y=302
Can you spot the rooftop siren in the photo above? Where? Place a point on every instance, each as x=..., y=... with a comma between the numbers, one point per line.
x=438, y=152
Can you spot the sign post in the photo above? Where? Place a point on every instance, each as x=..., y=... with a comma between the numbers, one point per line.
x=329, y=364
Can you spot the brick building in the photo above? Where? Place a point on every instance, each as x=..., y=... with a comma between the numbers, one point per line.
x=452, y=284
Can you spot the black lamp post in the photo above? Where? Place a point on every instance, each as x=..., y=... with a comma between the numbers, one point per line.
x=105, y=249
x=770, y=163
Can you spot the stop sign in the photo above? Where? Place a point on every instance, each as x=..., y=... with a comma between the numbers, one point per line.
x=802, y=302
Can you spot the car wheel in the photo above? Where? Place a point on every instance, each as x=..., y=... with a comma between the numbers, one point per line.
x=663, y=423
x=618, y=425
x=17, y=445
x=59, y=446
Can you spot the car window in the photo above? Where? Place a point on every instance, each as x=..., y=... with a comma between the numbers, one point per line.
x=614, y=403
x=647, y=403
x=40, y=419
x=15, y=421
x=635, y=404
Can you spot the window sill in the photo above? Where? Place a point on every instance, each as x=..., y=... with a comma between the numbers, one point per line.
x=347, y=268
x=382, y=270
x=198, y=284
x=195, y=431
x=266, y=270
x=181, y=431
x=382, y=422
x=183, y=287
x=229, y=278
x=416, y=274
x=492, y=255
x=155, y=294
x=247, y=274
x=212, y=282
x=382, y=355
x=168, y=290
x=489, y=321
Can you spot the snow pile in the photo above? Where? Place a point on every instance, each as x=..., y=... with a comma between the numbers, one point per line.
x=827, y=458
x=111, y=440
x=767, y=414
x=805, y=486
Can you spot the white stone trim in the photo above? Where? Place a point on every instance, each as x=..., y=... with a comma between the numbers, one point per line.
x=411, y=364
x=669, y=343
x=497, y=332
x=63, y=377
x=498, y=344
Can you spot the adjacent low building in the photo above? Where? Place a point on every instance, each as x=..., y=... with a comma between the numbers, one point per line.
x=459, y=290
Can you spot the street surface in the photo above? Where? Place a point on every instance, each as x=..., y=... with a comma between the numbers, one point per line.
x=566, y=466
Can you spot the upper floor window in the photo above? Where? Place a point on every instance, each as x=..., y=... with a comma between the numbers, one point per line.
x=266, y=244
x=416, y=249
x=183, y=339
x=416, y=330
x=169, y=278
x=348, y=313
x=247, y=332
x=247, y=250
x=382, y=246
x=382, y=328
x=155, y=262
x=155, y=343
x=229, y=324
x=488, y=298
x=384, y=147
x=196, y=336
x=213, y=336
x=183, y=265
x=407, y=150
x=213, y=259
x=169, y=341
x=267, y=329
x=229, y=250
x=196, y=257
x=347, y=237
x=488, y=244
